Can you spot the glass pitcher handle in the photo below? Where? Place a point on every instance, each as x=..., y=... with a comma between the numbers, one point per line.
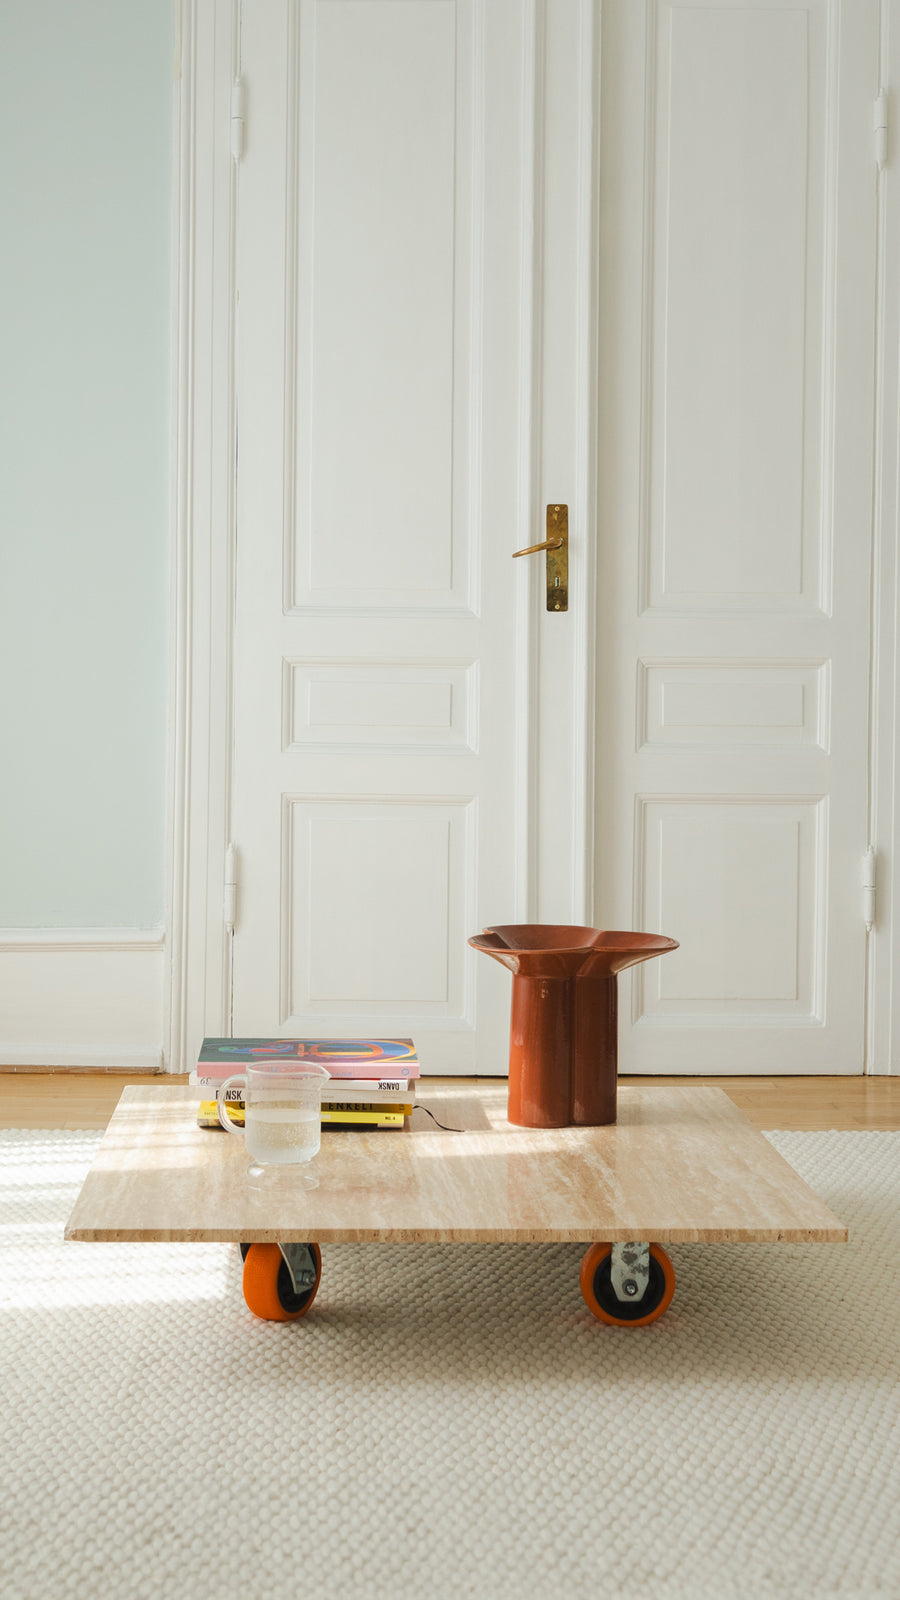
x=224, y=1118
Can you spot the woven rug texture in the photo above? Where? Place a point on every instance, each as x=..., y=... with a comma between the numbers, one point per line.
x=449, y=1421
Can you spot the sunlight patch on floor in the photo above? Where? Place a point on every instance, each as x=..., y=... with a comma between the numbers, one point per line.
x=78, y=1275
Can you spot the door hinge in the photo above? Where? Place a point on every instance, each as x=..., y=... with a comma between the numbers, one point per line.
x=870, y=863
x=238, y=117
x=880, y=126
x=230, y=887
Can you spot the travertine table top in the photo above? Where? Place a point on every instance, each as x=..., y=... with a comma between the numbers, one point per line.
x=681, y=1164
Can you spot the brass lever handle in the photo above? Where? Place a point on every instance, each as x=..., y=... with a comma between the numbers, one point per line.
x=548, y=544
x=557, y=547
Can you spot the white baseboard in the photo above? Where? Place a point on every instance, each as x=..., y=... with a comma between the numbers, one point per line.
x=35, y=1062
x=82, y=998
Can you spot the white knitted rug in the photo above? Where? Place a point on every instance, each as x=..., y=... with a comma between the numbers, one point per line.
x=449, y=1421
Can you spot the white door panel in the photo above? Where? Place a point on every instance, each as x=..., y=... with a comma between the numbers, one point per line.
x=424, y=278
x=737, y=318
x=407, y=325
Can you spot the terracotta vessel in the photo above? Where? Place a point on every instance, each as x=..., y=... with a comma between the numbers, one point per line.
x=563, y=1043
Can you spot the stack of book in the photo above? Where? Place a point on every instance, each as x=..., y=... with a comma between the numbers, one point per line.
x=373, y=1081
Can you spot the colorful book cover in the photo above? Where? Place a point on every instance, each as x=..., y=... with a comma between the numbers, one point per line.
x=344, y=1058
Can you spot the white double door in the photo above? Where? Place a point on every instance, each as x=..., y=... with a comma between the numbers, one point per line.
x=471, y=285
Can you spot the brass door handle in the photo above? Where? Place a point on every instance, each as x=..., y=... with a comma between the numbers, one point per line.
x=548, y=544
x=556, y=545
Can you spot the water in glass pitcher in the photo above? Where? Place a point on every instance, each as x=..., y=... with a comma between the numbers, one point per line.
x=277, y=1134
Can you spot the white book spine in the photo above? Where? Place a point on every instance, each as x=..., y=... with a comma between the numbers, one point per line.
x=338, y=1089
x=361, y=1089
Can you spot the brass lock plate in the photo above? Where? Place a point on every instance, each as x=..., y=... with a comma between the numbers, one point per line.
x=558, y=559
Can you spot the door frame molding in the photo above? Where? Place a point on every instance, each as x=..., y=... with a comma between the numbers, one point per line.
x=197, y=978
x=198, y=949
x=587, y=452
x=883, y=987
x=530, y=837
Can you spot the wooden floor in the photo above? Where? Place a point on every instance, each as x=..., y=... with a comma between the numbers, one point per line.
x=32, y=1099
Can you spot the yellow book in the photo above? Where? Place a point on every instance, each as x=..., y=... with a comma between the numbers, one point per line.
x=372, y=1108
x=208, y=1116
x=379, y=1118
x=383, y=1116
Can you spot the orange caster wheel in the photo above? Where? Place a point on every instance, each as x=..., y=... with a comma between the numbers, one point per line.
x=269, y=1287
x=600, y=1273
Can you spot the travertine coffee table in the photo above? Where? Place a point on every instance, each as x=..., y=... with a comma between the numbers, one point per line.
x=679, y=1166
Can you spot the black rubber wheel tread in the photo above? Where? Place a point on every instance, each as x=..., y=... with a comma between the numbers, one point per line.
x=628, y=1310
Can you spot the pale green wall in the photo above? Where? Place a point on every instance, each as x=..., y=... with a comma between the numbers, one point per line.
x=86, y=91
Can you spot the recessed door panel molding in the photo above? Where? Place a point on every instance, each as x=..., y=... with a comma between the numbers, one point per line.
x=383, y=368
x=739, y=257
x=738, y=271
x=396, y=707
x=377, y=893
x=722, y=704
x=740, y=882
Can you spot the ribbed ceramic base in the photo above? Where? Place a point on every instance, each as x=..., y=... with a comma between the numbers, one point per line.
x=563, y=1052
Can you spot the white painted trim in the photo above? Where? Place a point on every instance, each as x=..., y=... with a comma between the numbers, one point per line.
x=197, y=995
x=86, y=997
x=883, y=990
x=529, y=510
x=80, y=941
x=587, y=445
x=179, y=471
x=53, y=1058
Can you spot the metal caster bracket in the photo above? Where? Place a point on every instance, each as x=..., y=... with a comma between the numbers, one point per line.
x=301, y=1266
x=629, y=1270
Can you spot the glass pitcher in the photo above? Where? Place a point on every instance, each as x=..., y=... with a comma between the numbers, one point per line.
x=282, y=1112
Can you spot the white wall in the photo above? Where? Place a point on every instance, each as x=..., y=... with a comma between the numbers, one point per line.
x=85, y=208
